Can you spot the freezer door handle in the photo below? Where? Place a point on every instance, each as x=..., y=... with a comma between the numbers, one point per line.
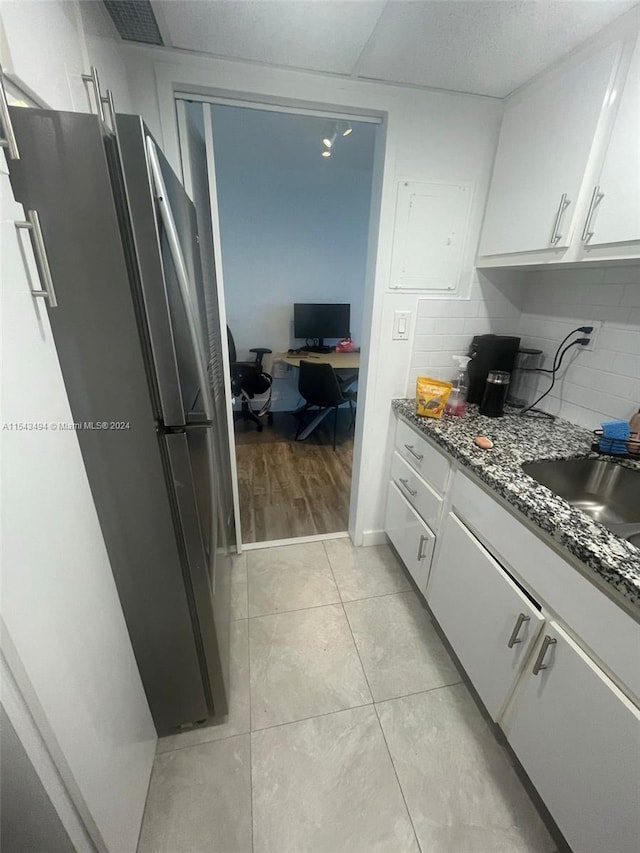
x=32, y=225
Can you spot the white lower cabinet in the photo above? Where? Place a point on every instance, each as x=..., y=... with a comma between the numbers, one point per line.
x=575, y=731
x=488, y=620
x=410, y=536
x=578, y=738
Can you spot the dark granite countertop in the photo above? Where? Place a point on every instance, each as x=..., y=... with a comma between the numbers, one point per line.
x=517, y=440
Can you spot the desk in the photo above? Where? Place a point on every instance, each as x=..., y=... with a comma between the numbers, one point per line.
x=337, y=360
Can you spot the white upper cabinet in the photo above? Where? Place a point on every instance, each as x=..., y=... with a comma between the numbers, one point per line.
x=47, y=51
x=43, y=50
x=614, y=215
x=545, y=142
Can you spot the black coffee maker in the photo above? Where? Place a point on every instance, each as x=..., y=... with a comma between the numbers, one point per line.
x=489, y=352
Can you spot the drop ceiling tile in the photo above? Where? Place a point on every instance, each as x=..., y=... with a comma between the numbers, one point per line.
x=313, y=34
x=487, y=48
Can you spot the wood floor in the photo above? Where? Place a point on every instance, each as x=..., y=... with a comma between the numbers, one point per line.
x=293, y=488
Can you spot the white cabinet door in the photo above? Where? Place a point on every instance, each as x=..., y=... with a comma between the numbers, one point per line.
x=44, y=49
x=615, y=217
x=578, y=738
x=487, y=619
x=545, y=141
x=60, y=607
x=410, y=536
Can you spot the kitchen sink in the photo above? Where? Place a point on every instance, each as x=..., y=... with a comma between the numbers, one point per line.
x=608, y=492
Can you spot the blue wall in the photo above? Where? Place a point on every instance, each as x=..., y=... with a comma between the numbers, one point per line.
x=294, y=225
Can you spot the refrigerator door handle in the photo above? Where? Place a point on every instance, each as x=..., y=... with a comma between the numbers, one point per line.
x=32, y=225
x=191, y=312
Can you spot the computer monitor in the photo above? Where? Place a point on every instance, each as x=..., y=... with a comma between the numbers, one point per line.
x=320, y=320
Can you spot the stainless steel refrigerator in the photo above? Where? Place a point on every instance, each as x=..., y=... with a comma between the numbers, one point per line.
x=115, y=237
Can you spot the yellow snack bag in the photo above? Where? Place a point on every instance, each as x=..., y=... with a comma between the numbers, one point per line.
x=431, y=397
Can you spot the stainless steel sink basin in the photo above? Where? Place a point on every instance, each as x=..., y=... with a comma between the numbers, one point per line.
x=606, y=491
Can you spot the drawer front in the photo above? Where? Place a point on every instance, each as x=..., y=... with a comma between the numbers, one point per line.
x=419, y=494
x=423, y=457
x=611, y=634
x=490, y=623
x=410, y=536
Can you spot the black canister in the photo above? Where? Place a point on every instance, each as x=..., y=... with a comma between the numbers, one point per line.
x=495, y=394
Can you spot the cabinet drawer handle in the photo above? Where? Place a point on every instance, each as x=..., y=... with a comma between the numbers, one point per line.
x=405, y=483
x=596, y=198
x=7, y=141
x=513, y=639
x=564, y=204
x=32, y=225
x=538, y=665
x=423, y=539
x=418, y=456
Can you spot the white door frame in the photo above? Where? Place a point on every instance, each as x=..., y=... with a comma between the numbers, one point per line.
x=208, y=100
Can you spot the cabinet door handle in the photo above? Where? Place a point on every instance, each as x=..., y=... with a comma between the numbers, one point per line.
x=32, y=225
x=538, y=665
x=405, y=483
x=596, y=198
x=7, y=141
x=418, y=456
x=513, y=639
x=423, y=539
x=94, y=80
x=564, y=204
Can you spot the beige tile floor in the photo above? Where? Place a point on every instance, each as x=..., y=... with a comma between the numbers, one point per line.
x=350, y=728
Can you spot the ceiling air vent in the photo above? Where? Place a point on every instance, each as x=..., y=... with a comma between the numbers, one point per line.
x=134, y=20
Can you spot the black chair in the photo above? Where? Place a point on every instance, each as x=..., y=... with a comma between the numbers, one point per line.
x=319, y=386
x=248, y=380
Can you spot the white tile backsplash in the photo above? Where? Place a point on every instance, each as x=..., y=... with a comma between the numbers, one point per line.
x=445, y=327
x=544, y=306
x=598, y=385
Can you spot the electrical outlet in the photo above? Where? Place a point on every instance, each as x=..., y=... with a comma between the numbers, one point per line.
x=593, y=336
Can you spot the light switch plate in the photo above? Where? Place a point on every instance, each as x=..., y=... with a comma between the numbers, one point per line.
x=401, y=324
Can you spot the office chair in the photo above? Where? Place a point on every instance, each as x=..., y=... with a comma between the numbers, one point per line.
x=319, y=386
x=248, y=379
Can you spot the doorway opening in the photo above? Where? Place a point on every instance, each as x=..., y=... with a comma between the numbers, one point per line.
x=289, y=196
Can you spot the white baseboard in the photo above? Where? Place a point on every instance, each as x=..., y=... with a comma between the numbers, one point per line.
x=374, y=537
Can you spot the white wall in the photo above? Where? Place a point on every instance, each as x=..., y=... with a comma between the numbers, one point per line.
x=294, y=226
x=64, y=637
x=430, y=136
x=603, y=384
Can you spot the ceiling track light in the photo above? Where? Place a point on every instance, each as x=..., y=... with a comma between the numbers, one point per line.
x=330, y=139
x=342, y=128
